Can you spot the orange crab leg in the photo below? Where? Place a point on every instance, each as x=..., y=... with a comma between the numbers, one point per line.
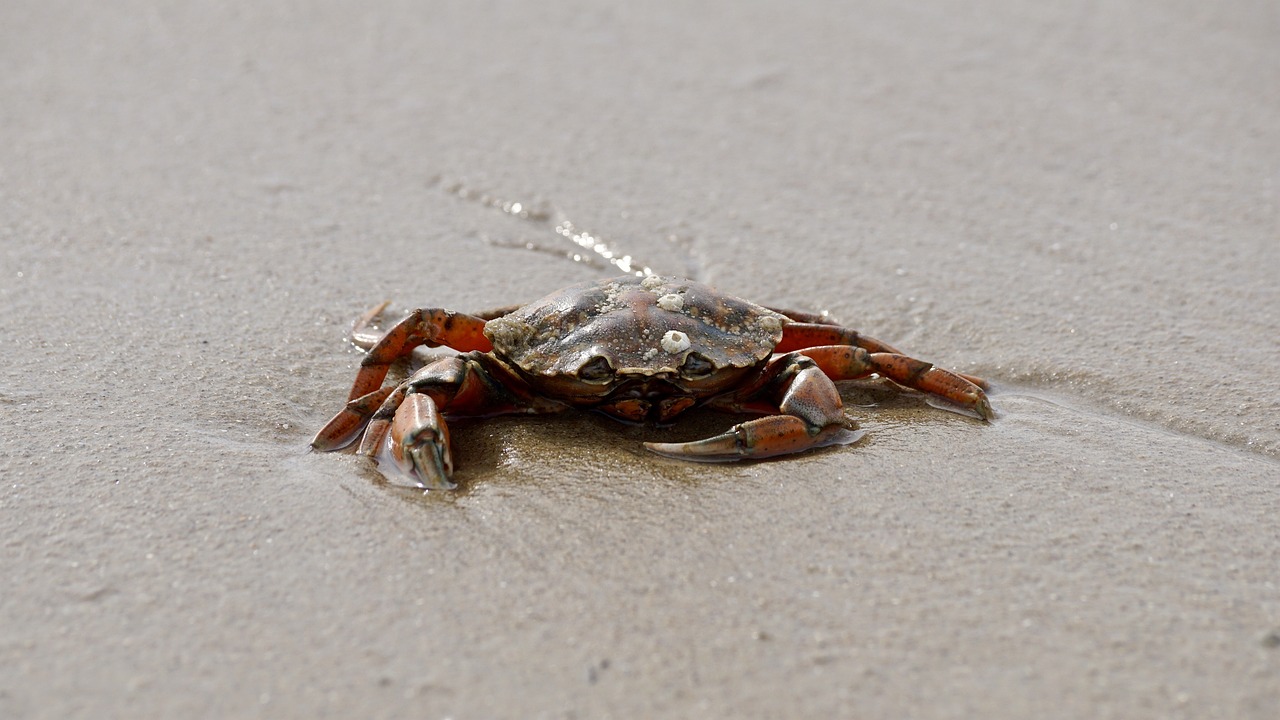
x=432, y=327
x=841, y=362
x=803, y=386
x=804, y=336
x=812, y=416
x=350, y=420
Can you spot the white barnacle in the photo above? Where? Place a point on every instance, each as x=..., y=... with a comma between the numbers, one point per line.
x=675, y=341
x=671, y=302
x=651, y=283
x=509, y=331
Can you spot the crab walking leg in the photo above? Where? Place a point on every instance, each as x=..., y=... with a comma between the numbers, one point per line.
x=347, y=424
x=343, y=428
x=804, y=335
x=432, y=327
x=377, y=428
x=847, y=363
x=813, y=416
x=364, y=338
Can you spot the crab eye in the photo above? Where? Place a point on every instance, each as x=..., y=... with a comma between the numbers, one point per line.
x=696, y=365
x=596, y=370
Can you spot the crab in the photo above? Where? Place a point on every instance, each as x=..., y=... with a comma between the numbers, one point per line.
x=637, y=349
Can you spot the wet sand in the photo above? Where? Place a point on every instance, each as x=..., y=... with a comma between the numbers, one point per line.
x=1081, y=204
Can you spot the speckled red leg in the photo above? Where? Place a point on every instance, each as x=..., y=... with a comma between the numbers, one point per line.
x=363, y=337
x=841, y=362
x=343, y=428
x=801, y=335
x=812, y=416
x=804, y=335
x=432, y=327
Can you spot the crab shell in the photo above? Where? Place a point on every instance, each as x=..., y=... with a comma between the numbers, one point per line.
x=642, y=328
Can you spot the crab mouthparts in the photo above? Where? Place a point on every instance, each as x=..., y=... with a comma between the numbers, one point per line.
x=651, y=388
x=646, y=400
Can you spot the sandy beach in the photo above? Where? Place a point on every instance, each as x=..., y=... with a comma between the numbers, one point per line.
x=1080, y=203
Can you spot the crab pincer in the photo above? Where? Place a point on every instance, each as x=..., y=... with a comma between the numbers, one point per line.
x=417, y=442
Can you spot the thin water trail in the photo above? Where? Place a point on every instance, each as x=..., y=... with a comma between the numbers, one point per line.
x=1029, y=393
x=563, y=238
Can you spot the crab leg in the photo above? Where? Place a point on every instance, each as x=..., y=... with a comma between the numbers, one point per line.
x=812, y=416
x=805, y=335
x=350, y=420
x=842, y=362
x=801, y=335
x=432, y=327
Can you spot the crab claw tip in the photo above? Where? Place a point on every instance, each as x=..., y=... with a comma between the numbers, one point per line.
x=720, y=448
x=429, y=465
x=984, y=409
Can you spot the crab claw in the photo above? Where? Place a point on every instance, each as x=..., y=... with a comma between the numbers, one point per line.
x=430, y=462
x=760, y=438
x=418, y=444
x=423, y=458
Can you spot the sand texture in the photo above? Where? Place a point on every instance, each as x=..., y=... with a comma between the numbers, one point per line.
x=1080, y=201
